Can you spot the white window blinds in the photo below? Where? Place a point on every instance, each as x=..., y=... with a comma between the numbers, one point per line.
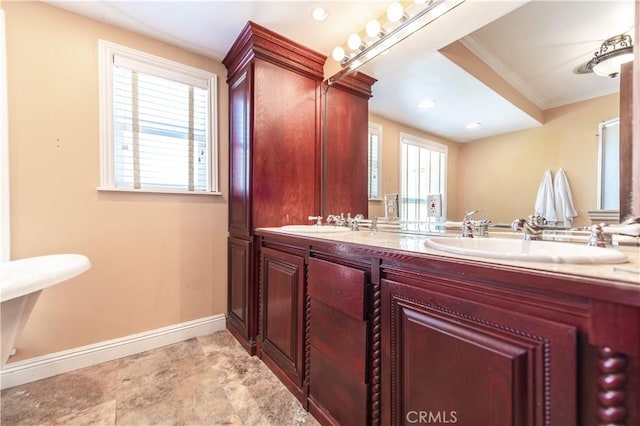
x=423, y=171
x=374, y=145
x=160, y=119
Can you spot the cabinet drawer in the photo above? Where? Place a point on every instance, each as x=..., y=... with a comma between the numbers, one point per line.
x=341, y=394
x=341, y=338
x=337, y=286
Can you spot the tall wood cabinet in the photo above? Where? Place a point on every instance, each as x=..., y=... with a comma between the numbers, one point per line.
x=345, y=170
x=274, y=162
x=283, y=146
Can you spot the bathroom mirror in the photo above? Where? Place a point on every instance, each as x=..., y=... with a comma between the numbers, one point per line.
x=499, y=169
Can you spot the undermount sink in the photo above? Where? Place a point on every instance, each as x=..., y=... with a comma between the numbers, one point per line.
x=313, y=229
x=529, y=251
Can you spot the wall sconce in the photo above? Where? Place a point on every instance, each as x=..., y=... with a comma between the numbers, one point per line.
x=614, y=52
x=400, y=23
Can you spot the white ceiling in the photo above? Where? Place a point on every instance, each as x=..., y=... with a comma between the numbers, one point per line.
x=534, y=45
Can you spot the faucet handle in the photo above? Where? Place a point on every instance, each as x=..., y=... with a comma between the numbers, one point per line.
x=467, y=229
x=318, y=219
x=597, y=237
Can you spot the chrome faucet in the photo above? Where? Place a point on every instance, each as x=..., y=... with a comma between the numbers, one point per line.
x=355, y=222
x=532, y=229
x=469, y=226
x=601, y=234
x=336, y=220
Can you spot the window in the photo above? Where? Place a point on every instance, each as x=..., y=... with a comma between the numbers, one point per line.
x=609, y=165
x=422, y=173
x=158, y=127
x=374, y=148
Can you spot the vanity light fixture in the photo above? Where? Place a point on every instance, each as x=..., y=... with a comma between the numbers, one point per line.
x=614, y=52
x=378, y=37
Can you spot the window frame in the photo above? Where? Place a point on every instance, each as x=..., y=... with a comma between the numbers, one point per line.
x=602, y=182
x=427, y=144
x=377, y=129
x=106, y=52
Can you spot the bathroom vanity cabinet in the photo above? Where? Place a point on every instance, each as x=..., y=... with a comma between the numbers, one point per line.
x=382, y=336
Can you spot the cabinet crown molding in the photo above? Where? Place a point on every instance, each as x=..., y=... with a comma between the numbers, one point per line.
x=256, y=41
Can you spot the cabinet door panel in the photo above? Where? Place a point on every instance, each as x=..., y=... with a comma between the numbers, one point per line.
x=450, y=359
x=338, y=286
x=342, y=395
x=340, y=337
x=239, y=271
x=239, y=155
x=283, y=310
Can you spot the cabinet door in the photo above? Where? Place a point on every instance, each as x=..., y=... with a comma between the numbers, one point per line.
x=240, y=155
x=338, y=343
x=447, y=360
x=283, y=314
x=240, y=298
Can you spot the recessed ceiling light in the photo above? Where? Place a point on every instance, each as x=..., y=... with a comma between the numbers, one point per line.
x=319, y=14
x=428, y=103
x=473, y=125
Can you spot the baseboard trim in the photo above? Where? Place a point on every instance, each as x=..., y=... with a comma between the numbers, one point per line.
x=33, y=369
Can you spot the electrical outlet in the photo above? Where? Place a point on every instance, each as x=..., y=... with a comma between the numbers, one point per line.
x=434, y=202
x=391, y=206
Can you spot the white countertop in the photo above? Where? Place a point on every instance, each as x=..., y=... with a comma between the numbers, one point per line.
x=623, y=274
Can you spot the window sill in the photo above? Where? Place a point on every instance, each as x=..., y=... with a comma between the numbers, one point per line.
x=156, y=191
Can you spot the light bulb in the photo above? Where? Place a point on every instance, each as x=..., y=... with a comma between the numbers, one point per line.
x=395, y=12
x=354, y=41
x=373, y=28
x=338, y=54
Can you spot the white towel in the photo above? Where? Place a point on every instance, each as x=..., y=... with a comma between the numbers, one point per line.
x=545, y=205
x=565, y=211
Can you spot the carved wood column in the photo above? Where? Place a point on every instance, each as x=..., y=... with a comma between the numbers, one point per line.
x=613, y=330
x=612, y=383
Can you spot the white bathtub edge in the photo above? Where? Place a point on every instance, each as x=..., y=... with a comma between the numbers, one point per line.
x=33, y=369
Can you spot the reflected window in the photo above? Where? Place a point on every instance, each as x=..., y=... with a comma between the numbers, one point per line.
x=423, y=170
x=609, y=165
x=374, y=148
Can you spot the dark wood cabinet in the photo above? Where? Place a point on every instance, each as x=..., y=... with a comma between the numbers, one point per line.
x=451, y=360
x=338, y=376
x=275, y=89
x=277, y=163
x=282, y=316
x=345, y=174
x=383, y=336
x=241, y=293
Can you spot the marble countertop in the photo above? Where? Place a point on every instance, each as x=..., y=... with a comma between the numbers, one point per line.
x=623, y=274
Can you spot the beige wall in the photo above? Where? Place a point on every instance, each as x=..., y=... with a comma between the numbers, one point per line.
x=391, y=162
x=157, y=259
x=501, y=175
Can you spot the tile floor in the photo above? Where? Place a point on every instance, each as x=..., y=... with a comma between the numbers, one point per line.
x=209, y=380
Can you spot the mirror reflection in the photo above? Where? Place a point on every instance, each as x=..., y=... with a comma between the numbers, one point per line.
x=479, y=110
